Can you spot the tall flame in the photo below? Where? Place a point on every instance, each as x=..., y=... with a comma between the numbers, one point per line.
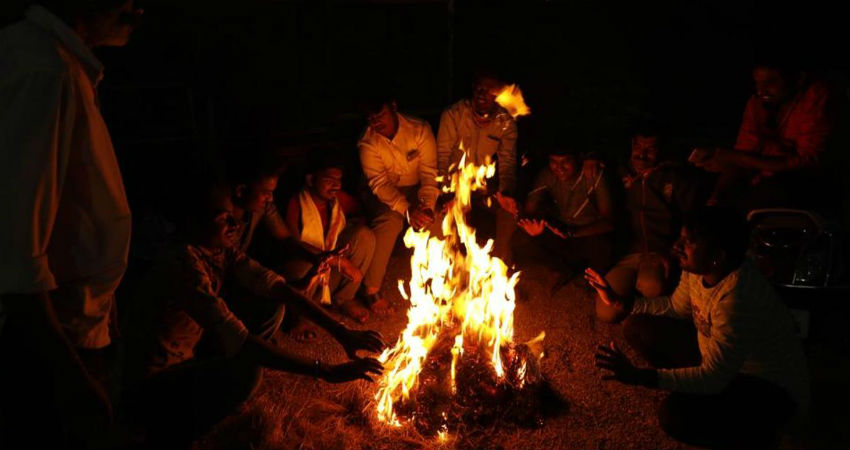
x=455, y=287
x=511, y=99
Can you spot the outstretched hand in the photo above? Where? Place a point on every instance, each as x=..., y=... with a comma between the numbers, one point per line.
x=354, y=340
x=602, y=287
x=534, y=227
x=619, y=368
x=356, y=369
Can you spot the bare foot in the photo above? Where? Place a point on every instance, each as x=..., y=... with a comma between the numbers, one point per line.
x=303, y=331
x=378, y=304
x=354, y=311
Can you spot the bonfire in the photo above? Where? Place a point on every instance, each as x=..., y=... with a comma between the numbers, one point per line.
x=456, y=361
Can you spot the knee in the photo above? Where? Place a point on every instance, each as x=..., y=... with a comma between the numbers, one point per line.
x=363, y=238
x=650, y=286
x=388, y=224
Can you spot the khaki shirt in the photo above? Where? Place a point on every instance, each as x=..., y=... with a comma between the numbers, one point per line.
x=408, y=159
x=458, y=127
x=65, y=224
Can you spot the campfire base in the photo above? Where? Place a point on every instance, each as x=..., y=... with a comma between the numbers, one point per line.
x=479, y=396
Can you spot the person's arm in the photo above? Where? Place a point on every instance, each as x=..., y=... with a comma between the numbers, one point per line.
x=428, y=190
x=379, y=181
x=507, y=159
x=446, y=141
x=262, y=353
x=605, y=223
x=351, y=340
x=538, y=192
x=748, y=133
x=677, y=305
x=723, y=352
x=287, y=234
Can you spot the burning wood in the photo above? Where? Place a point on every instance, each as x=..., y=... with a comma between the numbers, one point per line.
x=456, y=361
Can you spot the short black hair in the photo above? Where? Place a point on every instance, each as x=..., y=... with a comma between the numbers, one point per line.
x=205, y=190
x=249, y=168
x=721, y=228
x=647, y=127
x=324, y=157
x=374, y=100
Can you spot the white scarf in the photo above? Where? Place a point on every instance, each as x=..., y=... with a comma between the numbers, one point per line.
x=313, y=233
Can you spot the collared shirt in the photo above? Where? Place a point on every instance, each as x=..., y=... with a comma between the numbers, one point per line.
x=799, y=129
x=579, y=201
x=408, y=159
x=65, y=221
x=460, y=133
x=181, y=301
x=742, y=327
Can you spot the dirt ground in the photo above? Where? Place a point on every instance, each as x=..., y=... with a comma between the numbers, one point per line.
x=290, y=412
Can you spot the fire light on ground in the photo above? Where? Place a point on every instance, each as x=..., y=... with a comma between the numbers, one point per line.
x=456, y=360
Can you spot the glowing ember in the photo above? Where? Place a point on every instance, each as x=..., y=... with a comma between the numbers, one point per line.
x=511, y=99
x=460, y=320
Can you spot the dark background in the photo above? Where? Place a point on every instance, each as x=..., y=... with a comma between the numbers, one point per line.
x=203, y=78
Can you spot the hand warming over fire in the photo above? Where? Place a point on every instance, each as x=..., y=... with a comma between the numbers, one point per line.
x=354, y=340
x=420, y=218
x=611, y=359
x=534, y=227
x=356, y=369
x=602, y=287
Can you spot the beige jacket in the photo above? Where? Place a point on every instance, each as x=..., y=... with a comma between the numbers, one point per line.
x=65, y=223
x=458, y=127
x=409, y=159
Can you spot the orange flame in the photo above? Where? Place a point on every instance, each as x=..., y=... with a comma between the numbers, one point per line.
x=468, y=293
x=511, y=99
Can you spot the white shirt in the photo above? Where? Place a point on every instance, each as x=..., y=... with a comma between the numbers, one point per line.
x=408, y=159
x=742, y=327
x=65, y=224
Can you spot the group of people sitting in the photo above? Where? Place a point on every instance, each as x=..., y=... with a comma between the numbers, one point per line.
x=205, y=319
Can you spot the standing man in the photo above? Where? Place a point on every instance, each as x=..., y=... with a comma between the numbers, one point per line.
x=482, y=129
x=65, y=232
x=399, y=158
